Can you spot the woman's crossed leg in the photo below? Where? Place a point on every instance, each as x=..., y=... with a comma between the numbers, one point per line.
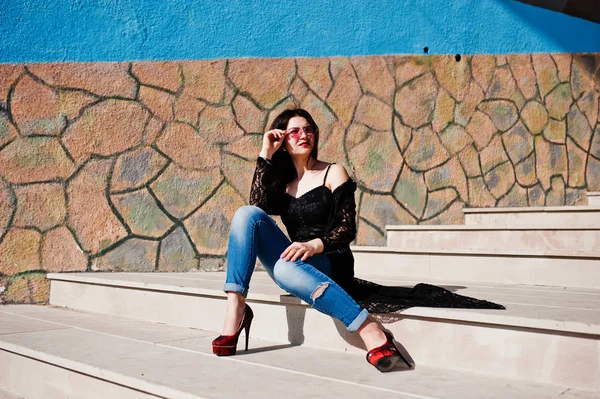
x=255, y=234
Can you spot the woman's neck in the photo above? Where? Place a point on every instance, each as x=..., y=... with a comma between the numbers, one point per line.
x=302, y=165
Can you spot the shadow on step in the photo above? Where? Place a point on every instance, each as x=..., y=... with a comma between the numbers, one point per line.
x=296, y=316
x=266, y=349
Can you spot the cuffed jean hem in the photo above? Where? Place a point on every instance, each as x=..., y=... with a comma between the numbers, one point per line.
x=236, y=288
x=360, y=319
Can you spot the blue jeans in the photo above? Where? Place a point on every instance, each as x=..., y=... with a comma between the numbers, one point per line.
x=254, y=233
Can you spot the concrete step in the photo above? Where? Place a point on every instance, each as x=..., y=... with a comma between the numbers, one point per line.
x=546, y=335
x=568, y=216
x=530, y=238
x=562, y=268
x=55, y=353
x=593, y=198
x=8, y=395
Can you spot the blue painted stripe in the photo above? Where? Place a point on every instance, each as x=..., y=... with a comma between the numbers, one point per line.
x=117, y=30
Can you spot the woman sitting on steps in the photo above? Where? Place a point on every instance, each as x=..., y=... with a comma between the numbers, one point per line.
x=316, y=202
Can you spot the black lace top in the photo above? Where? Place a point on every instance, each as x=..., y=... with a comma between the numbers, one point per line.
x=331, y=216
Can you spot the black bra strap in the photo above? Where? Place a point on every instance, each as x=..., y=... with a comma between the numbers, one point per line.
x=326, y=172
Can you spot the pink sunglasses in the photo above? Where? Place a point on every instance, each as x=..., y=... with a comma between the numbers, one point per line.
x=296, y=132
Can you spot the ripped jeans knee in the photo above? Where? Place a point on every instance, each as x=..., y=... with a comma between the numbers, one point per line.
x=318, y=290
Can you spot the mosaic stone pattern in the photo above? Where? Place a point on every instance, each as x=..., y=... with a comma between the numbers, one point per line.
x=140, y=166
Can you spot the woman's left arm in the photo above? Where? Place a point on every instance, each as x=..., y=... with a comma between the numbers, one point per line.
x=342, y=224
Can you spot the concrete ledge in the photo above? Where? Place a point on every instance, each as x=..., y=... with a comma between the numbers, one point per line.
x=521, y=311
x=534, y=209
x=462, y=227
x=549, y=268
x=535, y=216
x=137, y=360
x=538, y=321
x=8, y=395
x=497, y=238
x=594, y=198
x=65, y=378
x=559, y=254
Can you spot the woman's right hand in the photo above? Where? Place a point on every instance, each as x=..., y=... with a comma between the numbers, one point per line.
x=272, y=140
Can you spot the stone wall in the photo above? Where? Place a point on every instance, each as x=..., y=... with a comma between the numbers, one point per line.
x=140, y=166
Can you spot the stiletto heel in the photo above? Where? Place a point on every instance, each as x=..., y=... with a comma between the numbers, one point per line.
x=226, y=345
x=385, y=357
x=247, y=336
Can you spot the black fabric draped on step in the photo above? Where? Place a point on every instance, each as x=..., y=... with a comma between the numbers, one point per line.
x=378, y=298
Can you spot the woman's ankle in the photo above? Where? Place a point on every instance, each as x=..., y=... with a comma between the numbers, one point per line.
x=235, y=298
x=372, y=334
x=236, y=304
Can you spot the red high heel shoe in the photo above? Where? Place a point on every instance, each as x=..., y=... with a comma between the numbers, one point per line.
x=226, y=345
x=385, y=357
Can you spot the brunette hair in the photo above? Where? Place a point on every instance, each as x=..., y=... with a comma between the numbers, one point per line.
x=284, y=168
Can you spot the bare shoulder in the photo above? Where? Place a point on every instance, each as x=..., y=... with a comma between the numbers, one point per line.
x=336, y=177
